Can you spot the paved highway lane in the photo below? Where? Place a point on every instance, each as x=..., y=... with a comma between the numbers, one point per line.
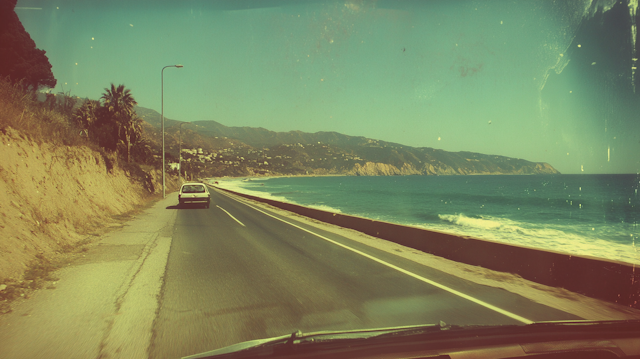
x=236, y=273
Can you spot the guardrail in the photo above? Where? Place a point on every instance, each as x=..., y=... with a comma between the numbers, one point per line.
x=612, y=281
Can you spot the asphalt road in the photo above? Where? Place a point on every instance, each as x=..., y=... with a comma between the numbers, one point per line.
x=236, y=273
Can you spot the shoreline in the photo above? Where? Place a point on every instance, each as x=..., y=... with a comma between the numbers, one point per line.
x=206, y=179
x=561, y=239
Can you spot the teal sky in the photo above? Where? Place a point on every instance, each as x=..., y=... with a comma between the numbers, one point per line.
x=481, y=76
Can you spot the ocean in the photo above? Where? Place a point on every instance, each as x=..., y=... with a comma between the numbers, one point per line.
x=593, y=215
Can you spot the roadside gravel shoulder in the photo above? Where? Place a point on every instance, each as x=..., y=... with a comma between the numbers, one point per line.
x=104, y=302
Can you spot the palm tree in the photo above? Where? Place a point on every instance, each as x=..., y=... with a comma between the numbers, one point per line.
x=86, y=116
x=129, y=134
x=119, y=104
x=118, y=100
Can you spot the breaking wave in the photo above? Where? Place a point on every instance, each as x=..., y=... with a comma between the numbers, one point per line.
x=555, y=238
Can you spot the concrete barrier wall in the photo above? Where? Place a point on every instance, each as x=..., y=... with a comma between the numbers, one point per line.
x=607, y=280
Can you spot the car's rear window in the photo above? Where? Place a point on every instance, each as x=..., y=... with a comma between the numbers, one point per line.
x=193, y=189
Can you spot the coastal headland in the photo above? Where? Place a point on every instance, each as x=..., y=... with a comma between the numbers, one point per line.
x=210, y=149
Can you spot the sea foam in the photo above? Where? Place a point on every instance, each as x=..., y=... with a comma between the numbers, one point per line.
x=519, y=233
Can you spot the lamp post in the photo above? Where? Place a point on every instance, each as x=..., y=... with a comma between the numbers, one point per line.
x=164, y=195
x=180, y=153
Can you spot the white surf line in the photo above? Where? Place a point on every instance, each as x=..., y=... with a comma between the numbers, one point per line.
x=225, y=211
x=411, y=274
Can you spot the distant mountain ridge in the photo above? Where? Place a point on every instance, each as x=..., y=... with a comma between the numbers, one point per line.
x=297, y=152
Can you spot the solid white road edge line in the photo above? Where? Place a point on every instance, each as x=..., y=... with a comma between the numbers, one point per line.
x=423, y=279
x=225, y=211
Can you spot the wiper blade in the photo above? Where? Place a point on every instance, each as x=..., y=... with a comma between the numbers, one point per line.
x=409, y=330
x=435, y=334
x=291, y=340
x=298, y=337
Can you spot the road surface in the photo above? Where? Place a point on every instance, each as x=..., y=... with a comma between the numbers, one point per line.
x=237, y=272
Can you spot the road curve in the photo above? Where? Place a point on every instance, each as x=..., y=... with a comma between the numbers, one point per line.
x=236, y=272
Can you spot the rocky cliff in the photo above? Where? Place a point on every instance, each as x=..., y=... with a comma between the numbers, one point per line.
x=383, y=169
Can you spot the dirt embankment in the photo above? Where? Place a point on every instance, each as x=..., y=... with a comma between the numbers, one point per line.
x=53, y=198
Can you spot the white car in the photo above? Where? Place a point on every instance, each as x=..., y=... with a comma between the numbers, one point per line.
x=194, y=193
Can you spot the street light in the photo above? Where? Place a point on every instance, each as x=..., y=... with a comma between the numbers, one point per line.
x=164, y=195
x=180, y=153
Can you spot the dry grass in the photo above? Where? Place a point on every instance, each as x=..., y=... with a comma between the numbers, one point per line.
x=46, y=122
x=20, y=109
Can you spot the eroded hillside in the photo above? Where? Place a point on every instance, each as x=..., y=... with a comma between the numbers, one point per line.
x=52, y=197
